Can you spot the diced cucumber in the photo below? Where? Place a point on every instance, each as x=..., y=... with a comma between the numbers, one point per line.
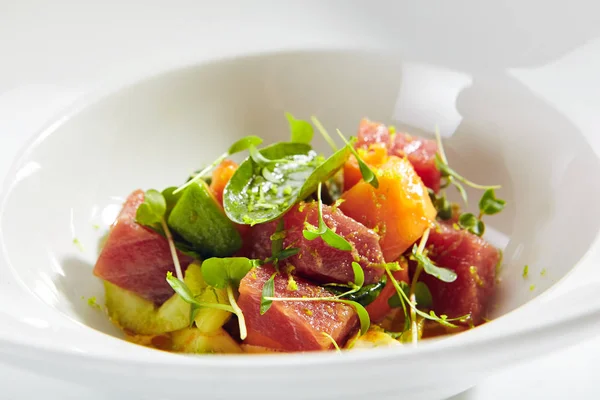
x=200, y=220
x=208, y=319
x=142, y=317
x=191, y=340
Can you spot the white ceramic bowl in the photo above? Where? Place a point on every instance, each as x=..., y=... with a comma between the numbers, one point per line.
x=76, y=172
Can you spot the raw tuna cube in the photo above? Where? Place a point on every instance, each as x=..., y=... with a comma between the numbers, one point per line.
x=419, y=151
x=316, y=260
x=370, y=132
x=293, y=326
x=421, y=154
x=474, y=261
x=136, y=258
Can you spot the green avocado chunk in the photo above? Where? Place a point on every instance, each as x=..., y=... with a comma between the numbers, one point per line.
x=200, y=220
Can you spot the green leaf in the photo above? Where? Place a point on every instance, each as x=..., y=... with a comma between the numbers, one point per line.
x=267, y=291
x=467, y=220
x=489, y=204
x=363, y=315
x=180, y=288
x=330, y=237
x=367, y=174
x=423, y=295
x=286, y=253
x=260, y=193
x=151, y=212
x=336, y=241
x=471, y=223
x=443, y=274
x=359, y=275
x=249, y=197
x=365, y=295
x=301, y=131
x=461, y=191
x=244, y=144
x=222, y=272
x=441, y=204
x=171, y=199
x=277, y=240
x=186, y=295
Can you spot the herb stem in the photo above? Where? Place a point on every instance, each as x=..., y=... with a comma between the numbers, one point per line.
x=302, y=299
x=404, y=297
x=335, y=345
x=237, y=311
x=173, y=249
x=216, y=306
x=200, y=174
x=438, y=139
x=324, y=133
x=413, y=285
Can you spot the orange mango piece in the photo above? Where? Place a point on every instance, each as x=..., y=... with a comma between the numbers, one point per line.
x=220, y=176
x=375, y=156
x=399, y=210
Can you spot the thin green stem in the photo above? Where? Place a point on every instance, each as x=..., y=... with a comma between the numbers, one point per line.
x=324, y=133
x=216, y=306
x=237, y=311
x=328, y=336
x=172, y=249
x=201, y=174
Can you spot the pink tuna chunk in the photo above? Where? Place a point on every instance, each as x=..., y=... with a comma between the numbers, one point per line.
x=293, y=326
x=474, y=261
x=317, y=260
x=136, y=258
x=419, y=151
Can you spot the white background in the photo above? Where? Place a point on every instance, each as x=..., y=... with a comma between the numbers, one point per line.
x=53, y=52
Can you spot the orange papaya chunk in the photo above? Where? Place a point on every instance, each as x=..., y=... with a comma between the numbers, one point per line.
x=400, y=210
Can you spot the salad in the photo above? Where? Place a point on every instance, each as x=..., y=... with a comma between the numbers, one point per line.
x=294, y=251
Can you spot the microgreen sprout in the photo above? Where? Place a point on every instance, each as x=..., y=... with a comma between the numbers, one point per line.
x=186, y=295
x=488, y=204
x=226, y=273
x=323, y=231
x=367, y=173
x=301, y=131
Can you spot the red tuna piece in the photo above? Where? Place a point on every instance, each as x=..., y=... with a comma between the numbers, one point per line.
x=317, y=260
x=474, y=261
x=421, y=154
x=136, y=258
x=419, y=151
x=293, y=325
x=370, y=132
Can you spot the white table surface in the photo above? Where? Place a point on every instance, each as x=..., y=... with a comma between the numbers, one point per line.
x=53, y=52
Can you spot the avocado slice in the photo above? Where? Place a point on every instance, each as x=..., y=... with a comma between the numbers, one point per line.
x=199, y=219
x=142, y=317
